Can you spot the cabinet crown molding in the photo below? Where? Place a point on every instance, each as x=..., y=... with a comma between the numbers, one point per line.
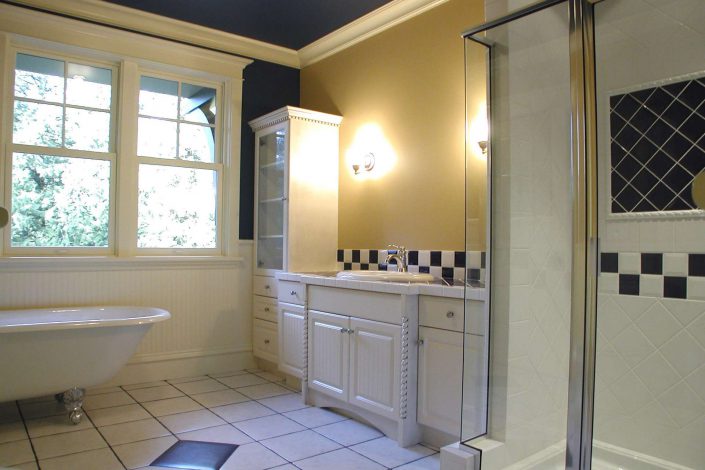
x=288, y=113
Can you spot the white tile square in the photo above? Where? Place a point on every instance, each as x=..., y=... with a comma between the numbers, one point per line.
x=13, y=453
x=365, y=256
x=629, y=263
x=651, y=285
x=137, y=386
x=347, y=256
x=436, y=271
x=658, y=325
x=300, y=445
x=432, y=462
x=682, y=404
x=675, y=264
x=142, y=453
x=388, y=453
x=684, y=353
x=225, y=434
x=117, y=414
x=101, y=459
x=242, y=411
x=67, y=443
x=181, y=380
x=219, y=398
x=696, y=288
x=284, y=403
x=13, y=431
x=171, y=406
x=252, y=456
x=448, y=259
x=201, y=386
x=656, y=374
x=271, y=376
x=263, y=391
x=106, y=400
x=342, y=459
x=632, y=345
x=155, y=393
x=133, y=431
x=474, y=259
x=269, y=426
x=424, y=257
x=314, y=417
x=243, y=380
x=54, y=425
x=191, y=421
x=348, y=432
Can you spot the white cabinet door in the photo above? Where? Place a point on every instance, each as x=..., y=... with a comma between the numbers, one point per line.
x=440, y=379
x=328, y=354
x=375, y=366
x=264, y=340
x=291, y=339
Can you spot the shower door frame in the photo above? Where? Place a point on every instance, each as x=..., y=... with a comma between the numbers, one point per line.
x=585, y=250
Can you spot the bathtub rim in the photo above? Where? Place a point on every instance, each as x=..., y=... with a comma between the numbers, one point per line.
x=133, y=316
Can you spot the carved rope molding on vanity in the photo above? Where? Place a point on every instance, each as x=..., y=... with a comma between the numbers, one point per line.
x=404, y=387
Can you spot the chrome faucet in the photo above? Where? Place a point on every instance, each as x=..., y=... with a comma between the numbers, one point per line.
x=399, y=256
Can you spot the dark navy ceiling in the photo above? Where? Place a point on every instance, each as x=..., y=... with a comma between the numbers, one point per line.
x=288, y=23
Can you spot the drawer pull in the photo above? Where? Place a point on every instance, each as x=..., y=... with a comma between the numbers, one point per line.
x=266, y=309
x=420, y=342
x=351, y=331
x=450, y=314
x=293, y=292
x=266, y=286
x=266, y=341
x=343, y=330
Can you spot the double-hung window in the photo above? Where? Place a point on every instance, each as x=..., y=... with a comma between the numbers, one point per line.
x=62, y=155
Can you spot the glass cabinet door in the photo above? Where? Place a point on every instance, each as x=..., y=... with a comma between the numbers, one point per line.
x=271, y=197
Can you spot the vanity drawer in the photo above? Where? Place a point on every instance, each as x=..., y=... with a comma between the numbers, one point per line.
x=441, y=312
x=266, y=286
x=292, y=292
x=265, y=340
x=264, y=308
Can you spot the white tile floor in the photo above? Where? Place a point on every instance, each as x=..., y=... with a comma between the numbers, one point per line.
x=128, y=427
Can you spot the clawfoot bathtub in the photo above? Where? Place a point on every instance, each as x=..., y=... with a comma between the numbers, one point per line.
x=52, y=350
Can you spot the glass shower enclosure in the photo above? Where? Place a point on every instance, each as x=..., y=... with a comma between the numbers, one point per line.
x=585, y=151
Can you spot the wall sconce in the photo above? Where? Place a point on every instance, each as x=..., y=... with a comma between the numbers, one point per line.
x=483, y=146
x=366, y=164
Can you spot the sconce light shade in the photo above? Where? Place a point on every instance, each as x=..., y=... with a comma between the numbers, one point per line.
x=367, y=163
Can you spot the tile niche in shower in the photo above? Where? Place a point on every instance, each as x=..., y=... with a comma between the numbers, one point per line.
x=657, y=146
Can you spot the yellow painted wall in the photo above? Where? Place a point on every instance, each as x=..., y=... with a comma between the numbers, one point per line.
x=401, y=95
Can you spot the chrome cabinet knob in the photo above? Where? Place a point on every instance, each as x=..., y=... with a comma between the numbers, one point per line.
x=293, y=292
x=420, y=342
x=343, y=330
x=266, y=309
x=266, y=341
x=450, y=314
x=266, y=286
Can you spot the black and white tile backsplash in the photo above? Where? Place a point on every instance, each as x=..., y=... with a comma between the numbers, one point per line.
x=657, y=146
x=670, y=275
x=458, y=265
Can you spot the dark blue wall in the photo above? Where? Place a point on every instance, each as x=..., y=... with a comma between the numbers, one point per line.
x=266, y=87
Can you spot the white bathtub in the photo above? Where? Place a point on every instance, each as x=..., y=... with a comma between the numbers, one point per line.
x=44, y=351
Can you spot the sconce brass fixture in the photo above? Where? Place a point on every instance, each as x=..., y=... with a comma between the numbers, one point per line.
x=367, y=163
x=483, y=146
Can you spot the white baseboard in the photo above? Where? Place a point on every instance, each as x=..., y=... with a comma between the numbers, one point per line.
x=190, y=366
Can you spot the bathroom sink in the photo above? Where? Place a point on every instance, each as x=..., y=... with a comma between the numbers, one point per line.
x=390, y=276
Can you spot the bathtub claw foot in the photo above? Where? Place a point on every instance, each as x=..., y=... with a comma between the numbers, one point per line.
x=73, y=401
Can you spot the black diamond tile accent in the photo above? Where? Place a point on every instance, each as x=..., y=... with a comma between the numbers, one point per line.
x=693, y=95
x=644, y=150
x=643, y=95
x=616, y=123
x=661, y=195
x=693, y=128
x=643, y=119
x=675, y=287
x=609, y=262
x=629, y=284
x=195, y=455
x=652, y=263
x=628, y=198
x=626, y=106
x=644, y=181
x=659, y=101
x=676, y=114
x=356, y=256
x=459, y=259
x=677, y=145
x=374, y=256
x=435, y=258
x=696, y=264
x=675, y=88
x=628, y=137
x=659, y=132
x=678, y=177
x=694, y=160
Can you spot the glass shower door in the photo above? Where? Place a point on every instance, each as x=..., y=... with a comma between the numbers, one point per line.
x=649, y=409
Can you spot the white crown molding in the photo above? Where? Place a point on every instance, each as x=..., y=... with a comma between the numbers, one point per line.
x=371, y=24
x=290, y=112
x=149, y=23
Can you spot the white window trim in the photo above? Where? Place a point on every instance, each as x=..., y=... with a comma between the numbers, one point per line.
x=136, y=54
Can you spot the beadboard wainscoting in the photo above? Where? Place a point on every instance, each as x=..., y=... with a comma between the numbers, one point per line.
x=210, y=304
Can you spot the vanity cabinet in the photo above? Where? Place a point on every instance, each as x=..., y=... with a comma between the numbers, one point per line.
x=292, y=323
x=296, y=201
x=440, y=363
x=355, y=360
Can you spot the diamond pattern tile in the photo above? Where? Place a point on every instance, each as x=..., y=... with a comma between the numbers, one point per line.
x=656, y=147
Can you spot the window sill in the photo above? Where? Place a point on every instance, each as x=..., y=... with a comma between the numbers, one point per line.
x=112, y=263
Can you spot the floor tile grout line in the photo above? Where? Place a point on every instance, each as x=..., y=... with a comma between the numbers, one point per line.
x=105, y=440
x=29, y=438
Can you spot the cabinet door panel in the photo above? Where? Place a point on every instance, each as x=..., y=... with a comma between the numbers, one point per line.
x=375, y=366
x=440, y=379
x=328, y=355
x=291, y=337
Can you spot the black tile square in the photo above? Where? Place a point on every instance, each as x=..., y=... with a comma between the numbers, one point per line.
x=474, y=274
x=642, y=95
x=675, y=287
x=483, y=257
x=629, y=284
x=460, y=259
x=435, y=258
x=356, y=256
x=643, y=119
x=677, y=146
x=609, y=262
x=652, y=263
x=644, y=181
x=382, y=267
x=339, y=256
x=627, y=137
x=676, y=114
x=364, y=267
x=347, y=266
x=661, y=195
x=195, y=455
x=424, y=269
x=693, y=160
x=693, y=128
x=644, y=150
x=659, y=132
x=696, y=264
x=447, y=273
x=616, y=123
x=374, y=255
x=675, y=88
x=413, y=258
x=628, y=198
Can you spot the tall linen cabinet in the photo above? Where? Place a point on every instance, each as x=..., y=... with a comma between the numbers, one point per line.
x=296, y=208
